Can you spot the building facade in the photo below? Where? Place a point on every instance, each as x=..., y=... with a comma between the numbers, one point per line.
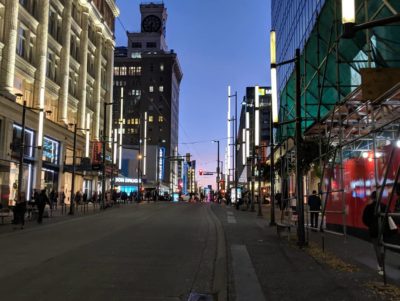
x=57, y=57
x=147, y=78
x=249, y=157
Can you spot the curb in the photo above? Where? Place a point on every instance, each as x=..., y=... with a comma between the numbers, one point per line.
x=220, y=283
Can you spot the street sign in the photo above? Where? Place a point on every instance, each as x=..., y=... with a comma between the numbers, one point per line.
x=208, y=173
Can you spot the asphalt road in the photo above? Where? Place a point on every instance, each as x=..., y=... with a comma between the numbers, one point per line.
x=158, y=251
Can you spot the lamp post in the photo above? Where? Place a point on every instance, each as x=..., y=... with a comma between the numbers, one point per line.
x=71, y=206
x=272, y=170
x=21, y=152
x=218, y=169
x=349, y=20
x=103, y=180
x=139, y=157
x=298, y=139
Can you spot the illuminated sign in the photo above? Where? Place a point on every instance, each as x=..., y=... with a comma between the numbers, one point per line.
x=161, y=163
x=120, y=180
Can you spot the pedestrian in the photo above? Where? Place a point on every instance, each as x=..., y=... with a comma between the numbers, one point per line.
x=94, y=197
x=372, y=218
x=62, y=198
x=19, y=211
x=397, y=205
x=78, y=198
x=314, y=205
x=85, y=197
x=53, y=199
x=41, y=202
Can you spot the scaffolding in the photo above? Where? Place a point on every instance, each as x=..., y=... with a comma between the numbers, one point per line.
x=357, y=129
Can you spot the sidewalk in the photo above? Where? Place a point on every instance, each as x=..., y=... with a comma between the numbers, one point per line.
x=346, y=271
x=52, y=216
x=350, y=249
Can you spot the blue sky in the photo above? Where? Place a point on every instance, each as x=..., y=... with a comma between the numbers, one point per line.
x=219, y=43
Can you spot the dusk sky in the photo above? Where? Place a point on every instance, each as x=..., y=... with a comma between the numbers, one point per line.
x=219, y=43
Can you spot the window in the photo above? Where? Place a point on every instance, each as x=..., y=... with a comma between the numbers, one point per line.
x=160, y=118
x=151, y=118
x=52, y=61
x=116, y=70
x=161, y=88
x=54, y=24
x=74, y=49
x=151, y=89
x=122, y=71
x=21, y=43
x=136, y=45
x=16, y=142
x=135, y=92
x=50, y=150
x=136, y=55
x=135, y=70
x=151, y=45
x=162, y=67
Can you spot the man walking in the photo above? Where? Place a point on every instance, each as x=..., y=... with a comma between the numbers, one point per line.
x=41, y=204
x=314, y=204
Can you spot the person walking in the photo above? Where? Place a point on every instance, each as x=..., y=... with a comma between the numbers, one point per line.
x=41, y=202
x=19, y=212
x=53, y=199
x=372, y=218
x=314, y=205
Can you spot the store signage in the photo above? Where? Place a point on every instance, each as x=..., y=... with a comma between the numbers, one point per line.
x=120, y=180
x=161, y=163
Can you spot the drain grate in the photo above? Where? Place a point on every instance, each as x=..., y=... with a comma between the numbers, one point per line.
x=200, y=297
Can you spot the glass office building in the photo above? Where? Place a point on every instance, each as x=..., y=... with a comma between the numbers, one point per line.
x=293, y=21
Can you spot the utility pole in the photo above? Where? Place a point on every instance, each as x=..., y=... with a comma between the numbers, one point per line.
x=21, y=152
x=103, y=179
x=299, y=167
x=272, y=169
x=72, y=202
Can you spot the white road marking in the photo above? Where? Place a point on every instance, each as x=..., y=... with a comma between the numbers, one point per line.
x=246, y=281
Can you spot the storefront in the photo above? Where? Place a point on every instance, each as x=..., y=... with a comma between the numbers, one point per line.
x=127, y=185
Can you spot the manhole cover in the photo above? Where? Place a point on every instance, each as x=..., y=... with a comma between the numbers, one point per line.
x=200, y=297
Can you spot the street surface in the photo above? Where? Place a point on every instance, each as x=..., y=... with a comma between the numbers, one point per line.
x=167, y=251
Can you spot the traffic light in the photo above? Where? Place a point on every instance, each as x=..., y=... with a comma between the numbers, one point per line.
x=200, y=172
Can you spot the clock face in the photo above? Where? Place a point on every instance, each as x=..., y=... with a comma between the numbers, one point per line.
x=151, y=24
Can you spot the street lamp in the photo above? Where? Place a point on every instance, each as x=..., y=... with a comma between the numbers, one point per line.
x=139, y=157
x=218, y=170
x=298, y=139
x=349, y=20
x=103, y=180
x=71, y=206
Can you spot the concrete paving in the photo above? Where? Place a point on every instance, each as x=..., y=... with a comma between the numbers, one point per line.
x=285, y=272
x=167, y=251
x=145, y=252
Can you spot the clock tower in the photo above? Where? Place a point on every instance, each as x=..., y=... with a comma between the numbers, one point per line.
x=154, y=18
x=153, y=30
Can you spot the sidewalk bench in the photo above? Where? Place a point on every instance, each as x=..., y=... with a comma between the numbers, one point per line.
x=282, y=228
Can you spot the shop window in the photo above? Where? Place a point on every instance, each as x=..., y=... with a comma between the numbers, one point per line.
x=50, y=150
x=16, y=142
